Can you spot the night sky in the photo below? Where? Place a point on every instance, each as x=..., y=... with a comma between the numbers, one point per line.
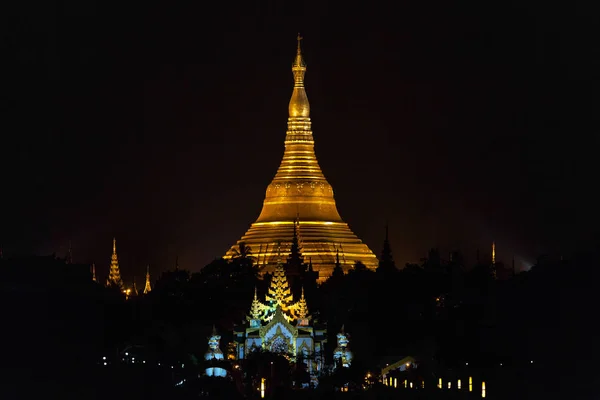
x=163, y=124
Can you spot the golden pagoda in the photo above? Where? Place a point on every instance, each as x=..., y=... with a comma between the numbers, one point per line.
x=300, y=196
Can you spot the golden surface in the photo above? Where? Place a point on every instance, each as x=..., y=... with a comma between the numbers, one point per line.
x=300, y=191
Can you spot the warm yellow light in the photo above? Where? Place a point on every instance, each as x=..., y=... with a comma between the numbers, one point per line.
x=422, y=384
x=449, y=385
x=458, y=384
x=470, y=384
x=440, y=383
x=411, y=385
x=262, y=388
x=482, y=389
x=405, y=383
x=407, y=365
x=395, y=383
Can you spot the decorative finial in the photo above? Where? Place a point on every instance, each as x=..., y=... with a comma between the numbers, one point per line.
x=302, y=295
x=214, y=330
x=299, y=38
x=342, y=330
x=494, y=252
x=255, y=294
x=114, y=245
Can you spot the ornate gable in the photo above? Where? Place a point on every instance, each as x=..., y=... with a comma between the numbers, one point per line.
x=279, y=335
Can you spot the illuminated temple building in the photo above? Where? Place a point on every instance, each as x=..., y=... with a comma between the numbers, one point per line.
x=280, y=325
x=299, y=192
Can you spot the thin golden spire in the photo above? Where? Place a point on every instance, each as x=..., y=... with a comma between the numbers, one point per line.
x=299, y=106
x=299, y=38
x=147, y=286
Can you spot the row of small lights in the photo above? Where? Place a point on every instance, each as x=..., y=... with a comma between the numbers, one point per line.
x=530, y=362
x=133, y=361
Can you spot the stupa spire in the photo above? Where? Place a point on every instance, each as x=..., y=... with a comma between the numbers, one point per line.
x=147, y=287
x=494, y=272
x=257, y=308
x=114, y=276
x=94, y=272
x=302, y=308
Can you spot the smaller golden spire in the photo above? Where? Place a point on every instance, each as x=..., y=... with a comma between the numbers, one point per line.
x=493, y=252
x=147, y=287
x=301, y=307
x=114, y=245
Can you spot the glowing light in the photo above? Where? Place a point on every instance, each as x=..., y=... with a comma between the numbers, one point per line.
x=449, y=385
x=470, y=384
x=104, y=358
x=422, y=384
x=440, y=383
x=126, y=354
x=458, y=385
x=395, y=383
x=262, y=387
x=411, y=385
x=105, y=363
x=531, y=361
x=407, y=365
x=482, y=389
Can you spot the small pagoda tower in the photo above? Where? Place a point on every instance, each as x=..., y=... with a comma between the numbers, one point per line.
x=147, y=287
x=114, y=276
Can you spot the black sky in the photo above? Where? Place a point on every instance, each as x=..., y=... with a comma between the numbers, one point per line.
x=163, y=124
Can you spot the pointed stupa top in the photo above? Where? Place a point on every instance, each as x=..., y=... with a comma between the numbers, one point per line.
x=257, y=308
x=114, y=275
x=147, y=287
x=302, y=307
x=214, y=330
x=299, y=106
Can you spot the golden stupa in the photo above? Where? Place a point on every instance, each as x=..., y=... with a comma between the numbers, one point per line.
x=300, y=196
